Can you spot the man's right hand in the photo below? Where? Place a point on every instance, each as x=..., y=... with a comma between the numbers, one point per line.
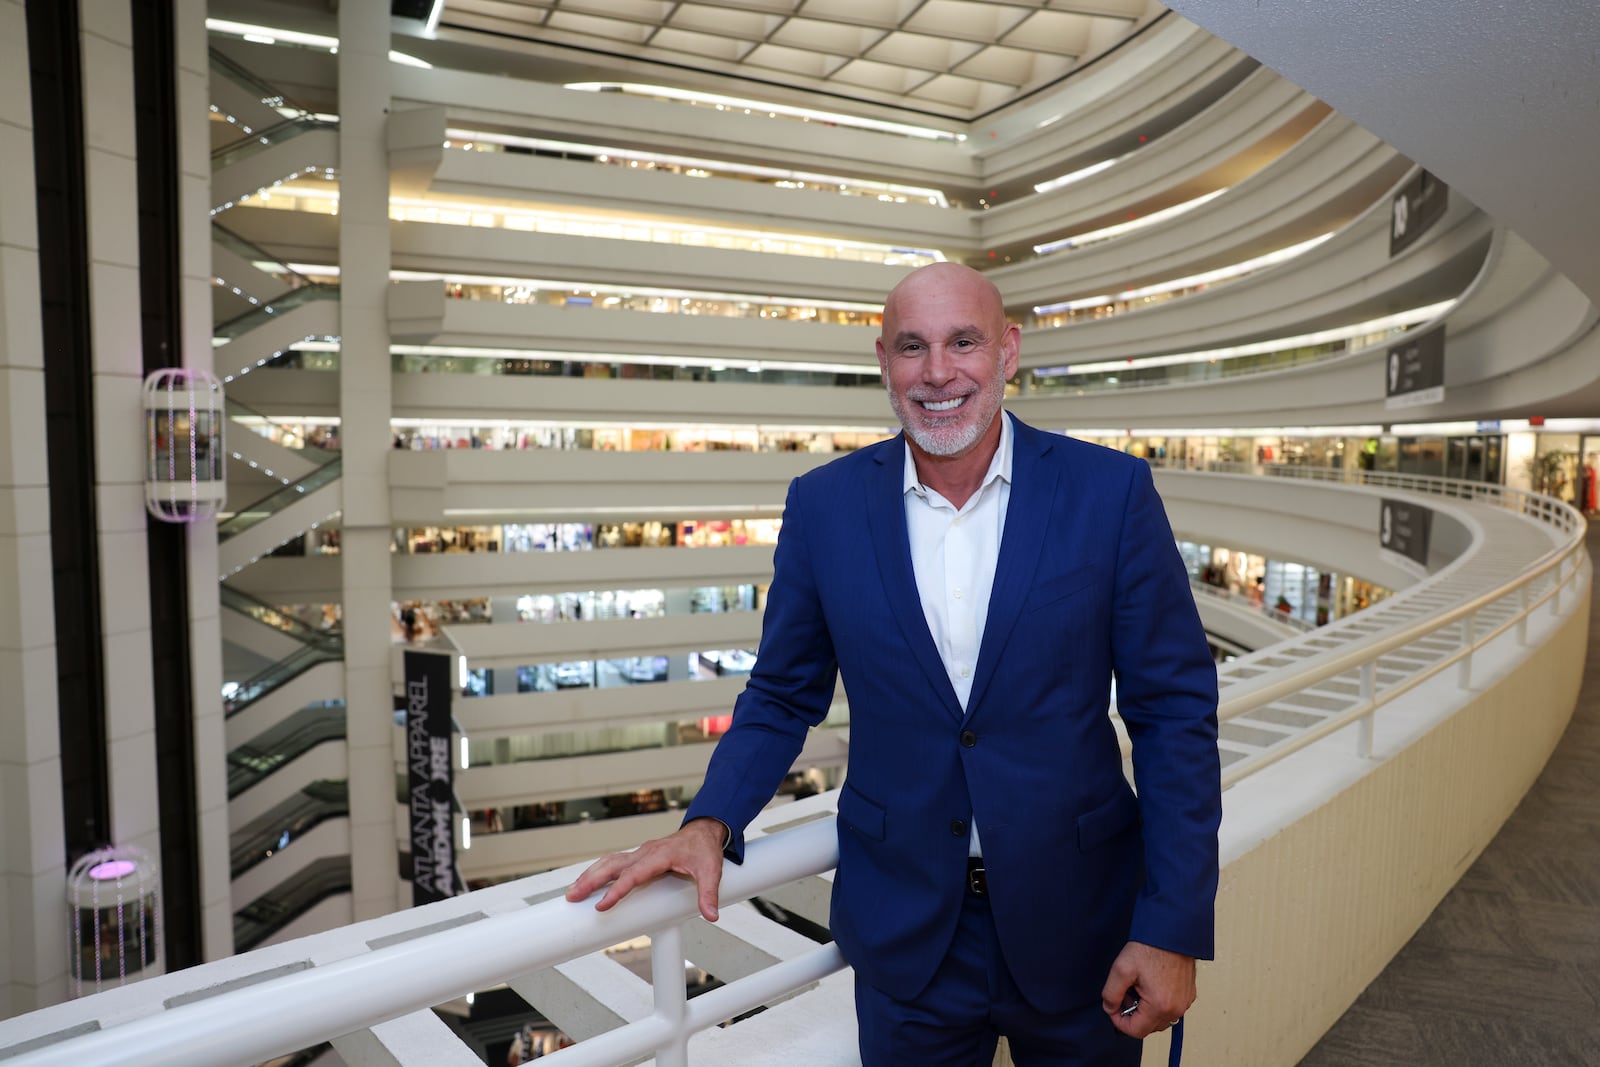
x=695, y=851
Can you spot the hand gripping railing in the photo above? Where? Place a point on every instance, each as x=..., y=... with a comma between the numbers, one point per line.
x=476, y=951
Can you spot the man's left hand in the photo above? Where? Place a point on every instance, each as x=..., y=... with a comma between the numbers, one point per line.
x=1162, y=981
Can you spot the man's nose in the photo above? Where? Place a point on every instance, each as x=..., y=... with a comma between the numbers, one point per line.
x=940, y=366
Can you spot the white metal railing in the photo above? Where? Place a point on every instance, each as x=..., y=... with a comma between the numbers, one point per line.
x=1242, y=602
x=253, y=1007
x=1542, y=581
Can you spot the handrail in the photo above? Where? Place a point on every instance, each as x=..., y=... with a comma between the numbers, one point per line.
x=261, y=140
x=235, y=409
x=246, y=321
x=278, y=746
x=245, y=78
x=269, y=615
x=316, y=803
x=280, y=673
x=254, y=252
x=1362, y=655
x=401, y=964
x=281, y=1014
x=1239, y=600
x=279, y=499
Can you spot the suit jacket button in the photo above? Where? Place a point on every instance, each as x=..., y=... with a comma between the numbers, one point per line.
x=957, y=827
x=968, y=738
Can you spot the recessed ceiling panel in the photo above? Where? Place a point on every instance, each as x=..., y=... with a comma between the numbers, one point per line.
x=1052, y=31
x=922, y=52
x=839, y=38
x=632, y=10
x=754, y=26
x=771, y=57
x=1014, y=66
x=961, y=58
x=728, y=49
x=966, y=20
x=611, y=29
x=880, y=76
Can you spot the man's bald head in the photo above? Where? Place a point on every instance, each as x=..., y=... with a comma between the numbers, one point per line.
x=940, y=281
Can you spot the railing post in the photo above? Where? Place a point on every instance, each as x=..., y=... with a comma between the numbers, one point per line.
x=1364, y=729
x=1560, y=580
x=1469, y=634
x=1522, y=613
x=666, y=976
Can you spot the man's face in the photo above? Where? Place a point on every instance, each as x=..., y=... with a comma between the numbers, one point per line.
x=946, y=354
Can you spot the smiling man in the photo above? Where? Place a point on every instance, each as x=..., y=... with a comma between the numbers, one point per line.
x=978, y=583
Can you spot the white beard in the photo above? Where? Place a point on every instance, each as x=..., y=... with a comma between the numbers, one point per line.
x=953, y=440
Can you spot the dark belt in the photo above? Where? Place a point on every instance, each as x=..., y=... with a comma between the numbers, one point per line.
x=977, y=880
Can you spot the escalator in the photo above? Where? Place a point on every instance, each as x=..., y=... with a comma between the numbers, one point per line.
x=281, y=827
x=277, y=518
x=260, y=277
x=261, y=453
x=284, y=743
x=272, y=912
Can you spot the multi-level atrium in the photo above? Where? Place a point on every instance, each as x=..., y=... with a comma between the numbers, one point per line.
x=527, y=313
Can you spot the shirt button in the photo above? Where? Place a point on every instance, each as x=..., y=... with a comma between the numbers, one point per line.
x=966, y=672
x=968, y=739
x=956, y=592
x=958, y=521
x=957, y=827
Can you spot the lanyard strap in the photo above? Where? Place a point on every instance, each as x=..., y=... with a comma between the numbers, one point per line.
x=1176, y=1055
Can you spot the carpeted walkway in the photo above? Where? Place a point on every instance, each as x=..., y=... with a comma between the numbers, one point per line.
x=1506, y=973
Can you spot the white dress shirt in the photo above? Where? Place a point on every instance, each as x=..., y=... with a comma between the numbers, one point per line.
x=953, y=554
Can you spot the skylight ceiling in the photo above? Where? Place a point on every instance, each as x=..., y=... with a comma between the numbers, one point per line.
x=953, y=58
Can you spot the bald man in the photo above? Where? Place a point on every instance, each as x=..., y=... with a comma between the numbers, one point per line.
x=978, y=583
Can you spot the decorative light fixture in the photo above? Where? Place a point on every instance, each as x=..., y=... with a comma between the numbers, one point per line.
x=115, y=903
x=184, y=447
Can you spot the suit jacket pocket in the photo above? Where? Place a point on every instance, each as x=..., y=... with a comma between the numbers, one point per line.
x=862, y=815
x=1097, y=826
x=1058, y=588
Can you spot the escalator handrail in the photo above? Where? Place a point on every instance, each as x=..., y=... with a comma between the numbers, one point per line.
x=279, y=674
x=246, y=321
x=279, y=499
x=233, y=407
x=244, y=246
x=243, y=603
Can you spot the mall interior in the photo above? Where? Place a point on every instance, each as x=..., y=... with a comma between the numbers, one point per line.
x=487, y=334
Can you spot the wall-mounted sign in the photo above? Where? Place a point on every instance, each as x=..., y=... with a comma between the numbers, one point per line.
x=1414, y=371
x=429, y=773
x=1415, y=208
x=1404, y=529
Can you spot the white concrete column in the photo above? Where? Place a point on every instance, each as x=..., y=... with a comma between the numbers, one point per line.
x=111, y=174
x=33, y=912
x=205, y=629
x=364, y=406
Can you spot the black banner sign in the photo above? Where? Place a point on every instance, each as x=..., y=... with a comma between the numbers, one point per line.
x=429, y=772
x=1414, y=371
x=1415, y=208
x=1404, y=529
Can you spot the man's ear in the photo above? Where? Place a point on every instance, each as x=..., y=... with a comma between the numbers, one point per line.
x=1011, y=349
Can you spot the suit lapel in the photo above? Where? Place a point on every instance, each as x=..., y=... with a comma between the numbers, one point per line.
x=886, y=516
x=1033, y=487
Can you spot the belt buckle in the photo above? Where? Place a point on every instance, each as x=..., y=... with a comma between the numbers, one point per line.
x=976, y=882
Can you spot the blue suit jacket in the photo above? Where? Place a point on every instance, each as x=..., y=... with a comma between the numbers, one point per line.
x=1089, y=585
